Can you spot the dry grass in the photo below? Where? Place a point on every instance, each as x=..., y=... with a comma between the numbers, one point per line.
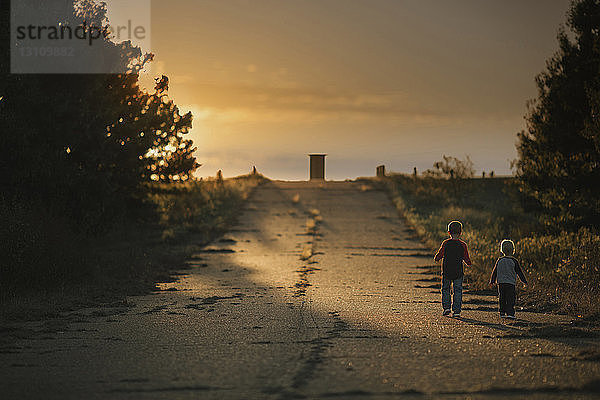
x=206, y=207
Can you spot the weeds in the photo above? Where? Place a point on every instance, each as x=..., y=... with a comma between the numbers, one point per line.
x=207, y=207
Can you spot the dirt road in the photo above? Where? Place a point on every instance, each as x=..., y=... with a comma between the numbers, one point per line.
x=319, y=292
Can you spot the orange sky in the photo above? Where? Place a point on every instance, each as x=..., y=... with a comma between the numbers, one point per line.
x=369, y=82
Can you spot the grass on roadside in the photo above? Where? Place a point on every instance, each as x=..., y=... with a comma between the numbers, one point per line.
x=47, y=267
x=205, y=207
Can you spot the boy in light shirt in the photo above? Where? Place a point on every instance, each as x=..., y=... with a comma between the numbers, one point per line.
x=505, y=273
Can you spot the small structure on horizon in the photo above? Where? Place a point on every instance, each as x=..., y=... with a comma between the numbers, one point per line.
x=380, y=171
x=317, y=166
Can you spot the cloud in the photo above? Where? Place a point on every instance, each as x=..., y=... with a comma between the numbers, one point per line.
x=278, y=103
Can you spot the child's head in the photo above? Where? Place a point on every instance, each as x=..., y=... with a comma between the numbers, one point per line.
x=507, y=247
x=455, y=228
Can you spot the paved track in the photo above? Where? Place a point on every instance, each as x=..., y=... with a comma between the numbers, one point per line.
x=319, y=292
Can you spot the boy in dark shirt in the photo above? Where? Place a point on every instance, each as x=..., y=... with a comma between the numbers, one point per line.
x=453, y=252
x=505, y=273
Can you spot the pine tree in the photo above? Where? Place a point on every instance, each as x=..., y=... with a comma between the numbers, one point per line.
x=559, y=152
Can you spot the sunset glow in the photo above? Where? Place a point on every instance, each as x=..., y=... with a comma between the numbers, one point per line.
x=396, y=83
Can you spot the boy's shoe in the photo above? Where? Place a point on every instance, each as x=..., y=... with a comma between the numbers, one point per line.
x=456, y=315
x=511, y=317
x=446, y=312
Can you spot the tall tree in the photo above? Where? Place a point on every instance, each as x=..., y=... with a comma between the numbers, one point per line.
x=83, y=143
x=559, y=152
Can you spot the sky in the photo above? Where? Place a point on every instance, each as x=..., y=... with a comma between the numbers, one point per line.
x=369, y=82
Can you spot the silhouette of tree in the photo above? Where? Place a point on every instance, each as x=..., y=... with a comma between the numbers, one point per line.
x=451, y=167
x=84, y=143
x=171, y=156
x=559, y=152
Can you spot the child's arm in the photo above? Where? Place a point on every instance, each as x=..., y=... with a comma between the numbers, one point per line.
x=519, y=272
x=466, y=258
x=494, y=275
x=440, y=253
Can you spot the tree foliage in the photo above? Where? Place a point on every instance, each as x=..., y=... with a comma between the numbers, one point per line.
x=559, y=152
x=85, y=143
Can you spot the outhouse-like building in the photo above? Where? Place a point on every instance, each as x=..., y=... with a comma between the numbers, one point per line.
x=317, y=166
